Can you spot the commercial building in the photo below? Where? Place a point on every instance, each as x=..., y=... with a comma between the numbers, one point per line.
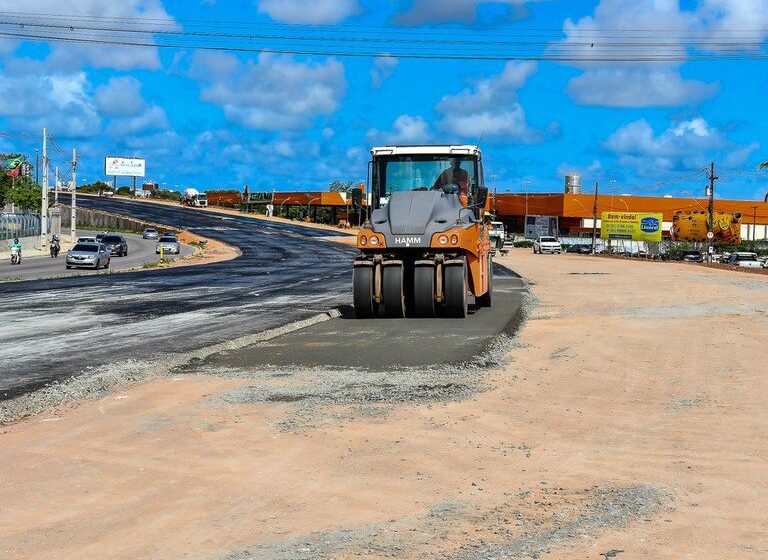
x=574, y=212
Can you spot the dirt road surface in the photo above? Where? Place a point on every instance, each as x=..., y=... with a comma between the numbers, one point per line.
x=628, y=422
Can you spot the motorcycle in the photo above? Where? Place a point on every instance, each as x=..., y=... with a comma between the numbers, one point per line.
x=15, y=255
x=55, y=247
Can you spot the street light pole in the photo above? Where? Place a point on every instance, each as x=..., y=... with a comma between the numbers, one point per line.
x=73, y=217
x=44, y=205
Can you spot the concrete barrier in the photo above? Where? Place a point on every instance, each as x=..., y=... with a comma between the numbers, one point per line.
x=89, y=218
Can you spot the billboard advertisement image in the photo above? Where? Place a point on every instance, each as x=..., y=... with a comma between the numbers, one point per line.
x=632, y=226
x=694, y=225
x=124, y=167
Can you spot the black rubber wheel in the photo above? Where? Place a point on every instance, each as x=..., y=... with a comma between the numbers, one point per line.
x=424, y=291
x=68, y=267
x=393, y=292
x=362, y=292
x=487, y=298
x=456, y=290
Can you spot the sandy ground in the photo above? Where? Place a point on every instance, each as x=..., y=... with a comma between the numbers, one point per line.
x=629, y=422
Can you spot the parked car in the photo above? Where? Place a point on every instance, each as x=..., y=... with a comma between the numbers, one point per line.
x=150, y=233
x=745, y=260
x=688, y=256
x=580, y=249
x=86, y=240
x=116, y=244
x=94, y=255
x=169, y=244
x=547, y=244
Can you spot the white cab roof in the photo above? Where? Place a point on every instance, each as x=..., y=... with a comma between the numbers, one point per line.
x=459, y=150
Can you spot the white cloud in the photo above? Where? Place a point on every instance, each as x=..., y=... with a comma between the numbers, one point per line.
x=121, y=96
x=686, y=145
x=406, y=129
x=65, y=57
x=646, y=86
x=59, y=102
x=457, y=11
x=491, y=108
x=152, y=118
x=274, y=92
x=383, y=67
x=657, y=84
x=311, y=12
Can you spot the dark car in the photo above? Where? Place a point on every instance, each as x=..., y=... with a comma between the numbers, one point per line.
x=580, y=249
x=116, y=244
x=100, y=236
x=688, y=256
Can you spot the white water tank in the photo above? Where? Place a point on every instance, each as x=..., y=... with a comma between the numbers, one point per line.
x=573, y=184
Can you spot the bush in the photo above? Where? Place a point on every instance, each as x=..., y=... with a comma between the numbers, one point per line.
x=124, y=191
x=525, y=244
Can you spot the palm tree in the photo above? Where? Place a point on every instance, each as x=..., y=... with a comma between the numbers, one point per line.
x=762, y=166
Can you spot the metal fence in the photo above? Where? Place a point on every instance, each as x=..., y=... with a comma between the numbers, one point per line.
x=19, y=225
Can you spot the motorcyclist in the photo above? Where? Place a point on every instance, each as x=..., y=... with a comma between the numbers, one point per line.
x=55, y=246
x=16, y=246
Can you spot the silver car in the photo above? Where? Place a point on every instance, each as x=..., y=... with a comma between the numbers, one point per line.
x=169, y=244
x=150, y=233
x=92, y=255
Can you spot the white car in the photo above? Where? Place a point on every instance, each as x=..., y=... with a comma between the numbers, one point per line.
x=547, y=244
x=745, y=260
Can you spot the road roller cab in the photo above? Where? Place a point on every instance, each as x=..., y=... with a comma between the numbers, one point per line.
x=425, y=249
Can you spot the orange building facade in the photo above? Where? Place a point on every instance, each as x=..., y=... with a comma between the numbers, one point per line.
x=572, y=209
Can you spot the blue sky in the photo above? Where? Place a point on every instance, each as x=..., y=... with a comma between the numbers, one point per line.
x=223, y=120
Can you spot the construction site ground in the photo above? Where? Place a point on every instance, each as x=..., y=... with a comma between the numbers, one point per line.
x=627, y=418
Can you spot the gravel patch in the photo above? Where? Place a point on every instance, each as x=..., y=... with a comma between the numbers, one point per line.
x=527, y=525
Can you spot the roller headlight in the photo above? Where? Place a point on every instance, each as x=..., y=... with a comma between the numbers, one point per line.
x=443, y=240
x=363, y=240
x=374, y=240
x=454, y=239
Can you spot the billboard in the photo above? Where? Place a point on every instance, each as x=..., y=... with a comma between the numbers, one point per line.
x=690, y=225
x=632, y=226
x=124, y=167
x=541, y=226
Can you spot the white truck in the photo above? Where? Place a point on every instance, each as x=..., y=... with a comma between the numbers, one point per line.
x=745, y=260
x=193, y=197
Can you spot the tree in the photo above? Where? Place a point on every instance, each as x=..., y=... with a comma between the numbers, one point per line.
x=343, y=187
x=25, y=195
x=762, y=166
x=124, y=191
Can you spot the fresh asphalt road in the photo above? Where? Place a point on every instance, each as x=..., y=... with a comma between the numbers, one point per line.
x=53, y=329
x=140, y=251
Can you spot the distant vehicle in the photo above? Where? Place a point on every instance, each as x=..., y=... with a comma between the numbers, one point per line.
x=94, y=255
x=15, y=255
x=192, y=197
x=116, y=244
x=580, y=249
x=547, y=244
x=100, y=236
x=688, y=256
x=86, y=240
x=107, y=192
x=169, y=244
x=497, y=235
x=150, y=233
x=745, y=260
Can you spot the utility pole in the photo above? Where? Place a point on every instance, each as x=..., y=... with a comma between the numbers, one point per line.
x=711, y=194
x=44, y=206
x=56, y=186
x=594, y=221
x=37, y=166
x=73, y=211
x=754, y=226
